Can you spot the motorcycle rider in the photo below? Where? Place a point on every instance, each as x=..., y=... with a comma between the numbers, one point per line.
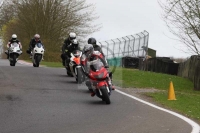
x=67, y=42
x=12, y=40
x=89, y=54
x=33, y=42
x=69, y=49
x=93, y=41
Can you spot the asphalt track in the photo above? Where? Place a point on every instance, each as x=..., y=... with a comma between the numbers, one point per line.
x=45, y=100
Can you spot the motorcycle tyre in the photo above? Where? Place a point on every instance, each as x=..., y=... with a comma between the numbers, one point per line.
x=105, y=95
x=38, y=58
x=79, y=78
x=13, y=62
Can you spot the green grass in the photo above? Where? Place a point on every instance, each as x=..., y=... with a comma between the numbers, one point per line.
x=188, y=100
x=144, y=79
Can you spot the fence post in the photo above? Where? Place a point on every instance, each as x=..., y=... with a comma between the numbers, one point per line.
x=139, y=43
x=133, y=45
x=107, y=48
x=128, y=44
x=113, y=47
x=120, y=48
x=124, y=43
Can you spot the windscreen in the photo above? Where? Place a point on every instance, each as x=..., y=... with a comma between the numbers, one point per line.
x=14, y=44
x=39, y=45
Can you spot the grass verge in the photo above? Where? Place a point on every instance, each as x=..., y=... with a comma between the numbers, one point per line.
x=188, y=100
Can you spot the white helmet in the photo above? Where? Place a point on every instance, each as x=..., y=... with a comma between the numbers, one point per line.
x=72, y=36
x=14, y=36
x=36, y=36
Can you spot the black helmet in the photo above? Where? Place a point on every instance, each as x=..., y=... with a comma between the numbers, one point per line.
x=88, y=50
x=92, y=41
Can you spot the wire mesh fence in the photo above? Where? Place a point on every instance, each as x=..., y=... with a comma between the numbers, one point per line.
x=132, y=46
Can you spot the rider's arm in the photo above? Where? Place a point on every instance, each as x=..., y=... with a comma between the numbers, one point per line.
x=100, y=50
x=102, y=58
x=20, y=45
x=8, y=44
x=31, y=44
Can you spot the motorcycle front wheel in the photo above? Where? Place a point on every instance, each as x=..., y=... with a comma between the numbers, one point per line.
x=105, y=95
x=14, y=59
x=79, y=75
x=38, y=58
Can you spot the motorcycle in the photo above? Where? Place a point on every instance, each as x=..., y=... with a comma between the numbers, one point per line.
x=98, y=75
x=14, y=51
x=75, y=66
x=37, y=54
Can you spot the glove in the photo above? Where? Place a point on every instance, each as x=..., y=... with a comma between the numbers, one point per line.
x=106, y=66
x=28, y=51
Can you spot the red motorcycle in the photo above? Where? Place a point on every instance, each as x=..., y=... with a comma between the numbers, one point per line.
x=98, y=75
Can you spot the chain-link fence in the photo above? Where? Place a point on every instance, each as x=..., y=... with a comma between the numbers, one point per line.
x=132, y=45
x=128, y=46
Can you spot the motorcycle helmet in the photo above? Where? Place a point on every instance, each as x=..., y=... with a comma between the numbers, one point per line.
x=72, y=36
x=92, y=41
x=37, y=37
x=88, y=50
x=14, y=37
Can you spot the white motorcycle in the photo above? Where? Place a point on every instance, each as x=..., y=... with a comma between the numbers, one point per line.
x=14, y=51
x=37, y=54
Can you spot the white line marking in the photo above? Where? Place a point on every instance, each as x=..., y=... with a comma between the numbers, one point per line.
x=195, y=126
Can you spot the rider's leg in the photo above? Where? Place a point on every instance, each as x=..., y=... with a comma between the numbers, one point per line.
x=89, y=85
x=63, y=59
x=110, y=81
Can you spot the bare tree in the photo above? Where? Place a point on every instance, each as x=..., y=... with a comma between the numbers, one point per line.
x=182, y=17
x=53, y=19
x=7, y=12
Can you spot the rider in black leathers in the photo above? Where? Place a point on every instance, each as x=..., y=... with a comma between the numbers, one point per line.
x=33, y=42
x=67, y=42
x=96, y=47
x=70, y=48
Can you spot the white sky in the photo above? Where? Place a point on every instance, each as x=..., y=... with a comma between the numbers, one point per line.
x=120, y=18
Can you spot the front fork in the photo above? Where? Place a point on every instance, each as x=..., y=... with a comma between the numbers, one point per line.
x=103, y=83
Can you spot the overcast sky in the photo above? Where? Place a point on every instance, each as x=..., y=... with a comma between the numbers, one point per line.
x=120, y=18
